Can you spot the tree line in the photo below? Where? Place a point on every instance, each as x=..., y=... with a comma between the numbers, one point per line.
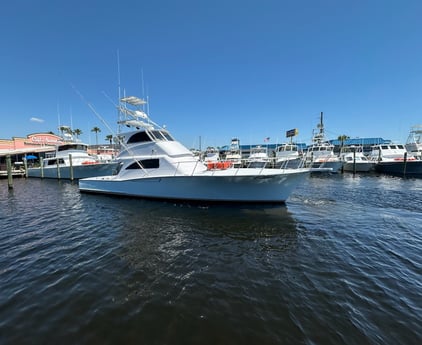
x=77, y=132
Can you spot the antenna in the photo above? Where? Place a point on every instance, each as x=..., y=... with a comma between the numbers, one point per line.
x=58, y=115
x=142, y=83
x=90, y=106
x=118, y=89
x=71, y=118
x=321, y=126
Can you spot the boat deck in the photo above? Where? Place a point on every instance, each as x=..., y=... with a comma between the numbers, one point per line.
x=15, y=173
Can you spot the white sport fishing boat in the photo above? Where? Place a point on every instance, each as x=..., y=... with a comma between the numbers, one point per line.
x=258, y=158
x=393, y=159
x=414, y=141
x=354, y=160
x=154, y=165
x=287, y=156
x=72, y=161
x=234, y=154
x=320, y=154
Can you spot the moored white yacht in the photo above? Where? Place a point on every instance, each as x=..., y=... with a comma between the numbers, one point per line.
x=393, y=159
x=71, y=161
x=320, y=154
x=234, y=154
x=287, y=156
x=258, y=158
x=154, y=165
x=211, y=155
x=414, y=141
x=354, y=160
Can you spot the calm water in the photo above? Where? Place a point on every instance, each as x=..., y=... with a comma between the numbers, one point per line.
x=339, y=264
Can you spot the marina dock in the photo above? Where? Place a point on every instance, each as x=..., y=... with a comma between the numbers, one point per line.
x=15, y=173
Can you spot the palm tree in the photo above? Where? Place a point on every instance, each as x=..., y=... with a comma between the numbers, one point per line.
x=77, y=132
x=96, y=130
x=66, y=132
x=63, y=129
x=342, y=138
x=109, y=138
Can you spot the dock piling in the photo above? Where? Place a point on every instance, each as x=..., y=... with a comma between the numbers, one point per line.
x=42, y=167
x=58, y=168
x=25, y=164
x=354, y=161
x=404, y=164
x=71, y=167
x=9, y=172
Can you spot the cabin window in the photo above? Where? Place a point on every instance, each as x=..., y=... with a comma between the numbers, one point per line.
x=400, y=147
x=167, y=136
x=54, y=161
x=384, y=147
x=145, y=164
x=72, y=147
x=157, y=135
x=139, y=137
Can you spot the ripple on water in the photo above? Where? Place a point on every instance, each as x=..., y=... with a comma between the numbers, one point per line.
x=340, y=264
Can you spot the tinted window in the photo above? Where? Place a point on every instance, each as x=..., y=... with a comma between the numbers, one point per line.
x=145, y=164
x=54, y=161
x=139, y=137
x=167, y=135
x=72, y=147
x=157, y=135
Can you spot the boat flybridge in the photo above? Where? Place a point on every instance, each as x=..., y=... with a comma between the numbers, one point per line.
x=320, y=154
x=154, y=165
x=414, y=141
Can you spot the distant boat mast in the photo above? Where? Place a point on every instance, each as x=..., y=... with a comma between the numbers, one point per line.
x=321, y=124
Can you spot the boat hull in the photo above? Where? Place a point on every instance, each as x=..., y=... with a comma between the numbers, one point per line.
x=400, y=168
x=288, y=163
x=359, y=167
x=331, y=166
x=223, y=186
x=79, y=171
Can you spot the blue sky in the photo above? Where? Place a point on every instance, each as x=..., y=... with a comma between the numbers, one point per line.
x=214, y=69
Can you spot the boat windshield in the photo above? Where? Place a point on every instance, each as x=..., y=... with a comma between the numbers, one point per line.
x=167, y=135
x=161, y=135
x=139, y=137
x=157, y=135
x=145, y=136
x=72, y=147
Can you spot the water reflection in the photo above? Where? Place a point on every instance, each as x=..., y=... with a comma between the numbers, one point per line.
x=135, y=217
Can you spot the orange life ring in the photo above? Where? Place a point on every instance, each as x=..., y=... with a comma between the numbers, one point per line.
x=219, y=165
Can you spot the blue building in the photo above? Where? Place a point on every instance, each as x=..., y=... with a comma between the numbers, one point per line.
x=366, y=143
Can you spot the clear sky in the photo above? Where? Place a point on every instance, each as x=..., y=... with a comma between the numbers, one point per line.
x=214, y=69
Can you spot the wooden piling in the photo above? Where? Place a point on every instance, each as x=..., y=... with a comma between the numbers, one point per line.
x=354, y=161
x=25, y=164
x=404, y=164
x=9, y=172
x=58, y=168
x=42, y=167
x=71, y=167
